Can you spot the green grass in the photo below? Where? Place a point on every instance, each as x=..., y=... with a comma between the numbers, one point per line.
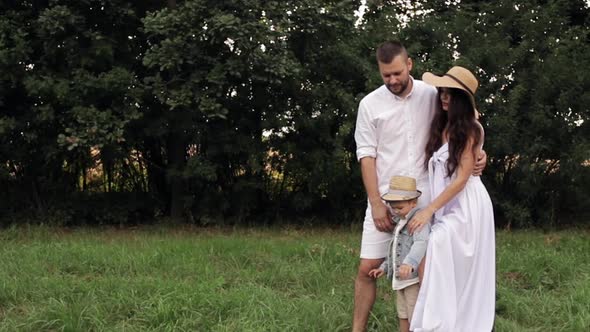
x=190, y=279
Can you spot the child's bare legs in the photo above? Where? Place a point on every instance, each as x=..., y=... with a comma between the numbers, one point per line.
x=404, y=325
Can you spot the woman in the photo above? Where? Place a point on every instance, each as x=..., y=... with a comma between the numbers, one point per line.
x=458, y=287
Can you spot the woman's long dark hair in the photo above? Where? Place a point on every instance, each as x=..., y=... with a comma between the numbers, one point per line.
x=461, y=127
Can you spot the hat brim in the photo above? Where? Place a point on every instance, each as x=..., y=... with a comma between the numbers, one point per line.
x=447, y=82
x=401, y=195
x=441, y=81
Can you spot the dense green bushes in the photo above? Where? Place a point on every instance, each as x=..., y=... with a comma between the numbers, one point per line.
x=114, y=112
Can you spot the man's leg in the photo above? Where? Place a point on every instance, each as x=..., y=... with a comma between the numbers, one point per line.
x=365, y=289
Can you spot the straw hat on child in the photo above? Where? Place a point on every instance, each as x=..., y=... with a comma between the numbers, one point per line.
x=401, y=188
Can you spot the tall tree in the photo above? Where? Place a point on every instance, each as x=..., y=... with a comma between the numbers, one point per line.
x=73, y=89
x=215, y=68
x=532, y=95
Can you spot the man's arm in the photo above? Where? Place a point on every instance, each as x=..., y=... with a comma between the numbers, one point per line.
x=379, y=211
x=480, y=164
x=482, y=157
x=464, y=170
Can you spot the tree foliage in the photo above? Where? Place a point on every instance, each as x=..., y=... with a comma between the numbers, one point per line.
x=244, y=111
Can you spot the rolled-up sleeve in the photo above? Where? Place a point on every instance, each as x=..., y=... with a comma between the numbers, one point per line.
x=365, y=134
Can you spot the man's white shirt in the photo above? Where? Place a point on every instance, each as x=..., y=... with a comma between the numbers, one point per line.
x=395, y=131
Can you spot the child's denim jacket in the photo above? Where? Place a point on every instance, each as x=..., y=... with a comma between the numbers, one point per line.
x=410, y=248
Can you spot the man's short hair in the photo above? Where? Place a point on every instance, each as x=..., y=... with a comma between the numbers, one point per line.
x=389, y=50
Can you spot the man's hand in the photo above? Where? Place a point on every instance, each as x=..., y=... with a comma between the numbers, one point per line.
x=382, y=217
x=405, y=271
x=480, y=164
x=380, y=212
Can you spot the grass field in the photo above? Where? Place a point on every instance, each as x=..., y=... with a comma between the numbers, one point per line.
x=191, y=279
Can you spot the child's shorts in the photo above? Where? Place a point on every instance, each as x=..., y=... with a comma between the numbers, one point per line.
x=406, y=301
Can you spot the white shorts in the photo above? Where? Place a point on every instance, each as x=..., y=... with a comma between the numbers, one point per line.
x=374, y=243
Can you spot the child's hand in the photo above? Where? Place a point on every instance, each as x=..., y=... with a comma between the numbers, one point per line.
x=376, y=273
x=405, y=271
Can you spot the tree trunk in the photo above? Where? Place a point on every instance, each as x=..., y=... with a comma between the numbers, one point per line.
x=176, y=160
x=156, y=175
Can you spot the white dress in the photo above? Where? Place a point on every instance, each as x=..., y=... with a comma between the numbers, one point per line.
x=458, y=289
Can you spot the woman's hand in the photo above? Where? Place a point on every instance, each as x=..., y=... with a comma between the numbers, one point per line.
x=420, y=219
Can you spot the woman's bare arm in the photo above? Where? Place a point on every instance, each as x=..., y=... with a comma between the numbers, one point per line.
x=464, y=171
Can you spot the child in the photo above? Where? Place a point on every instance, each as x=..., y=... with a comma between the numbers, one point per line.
x=405, y=250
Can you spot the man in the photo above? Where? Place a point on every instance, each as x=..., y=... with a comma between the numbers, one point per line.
x=392, y=130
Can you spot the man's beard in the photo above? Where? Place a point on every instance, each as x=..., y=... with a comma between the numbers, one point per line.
x=398, y=89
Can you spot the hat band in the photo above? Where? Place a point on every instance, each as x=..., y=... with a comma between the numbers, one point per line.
x=461, y=83
x=401, y=192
